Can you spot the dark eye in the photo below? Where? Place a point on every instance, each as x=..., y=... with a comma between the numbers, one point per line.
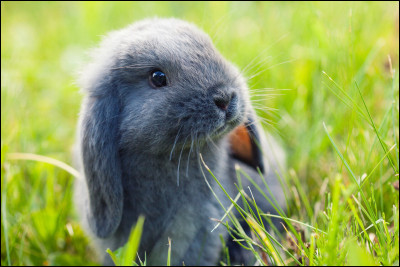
x=158, y=78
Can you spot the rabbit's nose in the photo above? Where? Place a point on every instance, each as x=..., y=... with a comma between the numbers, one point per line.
x=223, y=101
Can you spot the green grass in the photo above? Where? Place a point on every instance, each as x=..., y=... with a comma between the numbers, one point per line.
x=338, y=121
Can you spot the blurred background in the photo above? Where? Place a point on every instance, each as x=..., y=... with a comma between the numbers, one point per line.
x=289, y=45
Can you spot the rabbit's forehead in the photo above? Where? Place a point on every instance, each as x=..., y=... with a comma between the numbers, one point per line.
x=184, y=52
x=181, y=47
x=169, y=38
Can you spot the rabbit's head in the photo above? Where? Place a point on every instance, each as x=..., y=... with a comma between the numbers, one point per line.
x=152, y=86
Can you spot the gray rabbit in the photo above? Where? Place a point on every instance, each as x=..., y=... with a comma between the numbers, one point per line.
x=157, y=95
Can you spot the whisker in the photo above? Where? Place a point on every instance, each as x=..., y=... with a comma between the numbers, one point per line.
x=284, y=62
x=208, y=138
x=179, y=161
x=266, y=109
x=265, y=94
x=197, y=150
x=263, y=52
x=261, y=121
x=256, y=67
x=173, y=147
x=258, y=100
x=220, y=25
x=188, y=158
x=268, y=89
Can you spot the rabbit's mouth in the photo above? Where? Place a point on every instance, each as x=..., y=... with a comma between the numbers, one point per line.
x=230, y=121
x=226, y=127
x=219, y=131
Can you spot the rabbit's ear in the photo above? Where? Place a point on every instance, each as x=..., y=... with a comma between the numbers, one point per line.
x=101, y=163
x=246, y=145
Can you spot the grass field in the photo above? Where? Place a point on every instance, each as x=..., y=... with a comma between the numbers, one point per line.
x=338, y=119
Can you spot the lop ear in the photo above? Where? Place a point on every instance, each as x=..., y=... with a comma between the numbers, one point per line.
x=245, y=144
x=101, y=162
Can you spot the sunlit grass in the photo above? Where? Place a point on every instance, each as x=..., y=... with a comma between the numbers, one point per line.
x=338, y=118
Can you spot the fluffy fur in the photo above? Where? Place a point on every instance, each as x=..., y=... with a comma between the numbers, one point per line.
x=139, y=145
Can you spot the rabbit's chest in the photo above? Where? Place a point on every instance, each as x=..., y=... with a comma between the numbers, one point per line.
x=161, y=186
x=162, y=196
x=151, y=189
x=167, y=206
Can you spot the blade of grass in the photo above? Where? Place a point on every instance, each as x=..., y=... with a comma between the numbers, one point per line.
x=358, y=220
x=289, y=219
x=370, y=214
x=347, y=96
x=266, y=241
x=269, y=190
x=333, y=225
x=288, y=233
x=381, y=127
x=246, y=203
x=302, y=194
x=369, y=175
x=276, y=207
x=376, y=131
x=311, y=251
x=35, y=157
x=125, y=256
x=4, y=219
x=113, y=256
x=344, y=101
x=257, y=209
x=129, y=254
x=226, y=213
x=169, y=252
x=392, y=71
x=370, y=57
x=239, y=179
x=225, y=251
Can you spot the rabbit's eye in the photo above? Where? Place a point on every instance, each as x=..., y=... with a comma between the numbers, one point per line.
x=158, y=78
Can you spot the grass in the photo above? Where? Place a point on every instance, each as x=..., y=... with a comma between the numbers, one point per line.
x=338, y=121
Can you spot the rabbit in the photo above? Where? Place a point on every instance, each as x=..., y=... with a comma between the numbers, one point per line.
x=159, y=99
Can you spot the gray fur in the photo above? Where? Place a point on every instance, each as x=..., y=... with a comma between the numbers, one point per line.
x=136, y=141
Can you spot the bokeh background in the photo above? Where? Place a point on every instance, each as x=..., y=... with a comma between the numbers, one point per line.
x=291, y=44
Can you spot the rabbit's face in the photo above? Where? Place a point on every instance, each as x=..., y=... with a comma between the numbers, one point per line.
x=173, y=86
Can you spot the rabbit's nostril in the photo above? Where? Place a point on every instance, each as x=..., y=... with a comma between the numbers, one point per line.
x=221, y=103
